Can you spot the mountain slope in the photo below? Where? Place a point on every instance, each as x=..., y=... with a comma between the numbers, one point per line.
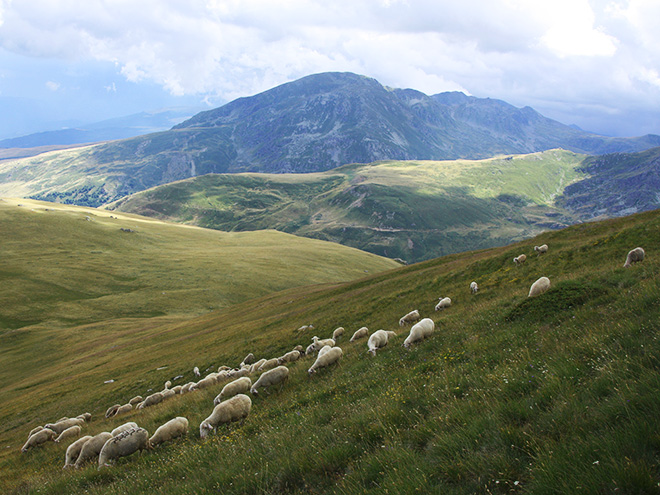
x=313, y=124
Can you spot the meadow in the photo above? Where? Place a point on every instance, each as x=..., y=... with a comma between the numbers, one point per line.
x=556, y=394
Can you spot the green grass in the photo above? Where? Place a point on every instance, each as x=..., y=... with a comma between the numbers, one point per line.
x=558, y=394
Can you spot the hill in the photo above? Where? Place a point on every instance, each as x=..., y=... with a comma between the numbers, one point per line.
x=555, y=394
x=413, y=210
x=313, y=124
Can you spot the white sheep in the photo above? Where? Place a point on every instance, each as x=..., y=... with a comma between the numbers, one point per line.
x=168, y=384
x=271, y=377
x=634, y=256
x=268, y=365
x=91, y=448
x=419, y=331
x=177, y=389
x=123, y=409
x=122, y=428
x=71, y=432
x=235, y=373
x=444, y=303
x=378, y=340
x=205, y=382
x=411, y=317
x=174, y=428
x=124, y=444
x=520, y=259
x=338, y=332
x=63, y=424
x=34, y=430
x=326, y=358
x=234, y=409
x=359, y=334
x=255, y=366
x=112, y=410
x=196, y=371
x=187, y=387
x=39, y=438
x=322, y=342
x=135, y=400
x=167, y=393
x=289, y=357
x=249, y=359
x=151, y=400
x=312, y=348
x=474, y=288
x=85, y=416
x=300, y=349
x=539, y=287
x=238, y=386
x=542, y=249
x=73, y=451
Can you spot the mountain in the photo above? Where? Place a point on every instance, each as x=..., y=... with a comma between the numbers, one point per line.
x=313, y=124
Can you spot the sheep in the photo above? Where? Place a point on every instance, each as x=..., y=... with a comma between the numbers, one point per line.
x=542, y=249
x=42, y=436
x=122, y=428
x=539, y=287
x=312, y=348
x=411, y=317
x=71, y=432
x=224, y=367
x=378, y=340
x=419, y=331
x=271, y=377
x=91, y=448
x=474, y=287
x=338, y=332
x=176, y=427
x=234, y=409
x=268, y=365
x=73, y=451
x=360, y=333
x=135, y=400
x=186, y=388
x=123, y=445
x=305, y=327
x=255, y=367
x=299, y=348
x=205, y=382
x=124, y=409
x=60, y=426
x=249, y=359
x=151, y=400
x=520, y=259
x=167, y=393
x=34, y=430
x=168, y=384
x=326, y=358
x=196, y=371
x=112, y=410
x=177, y=389
x=239, y=386
x=289, y=357
x=84, y=416
x=323, y=342
x=444, y=303
x=634, y=256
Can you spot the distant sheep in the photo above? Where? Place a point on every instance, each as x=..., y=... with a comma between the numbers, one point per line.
x=112, y=410
x=84, y=416
x=359, y=334
x=249, y=359
x=126, y=408
x=326, y=358
x=205, y=382
x=269, y=378
x=122, y=428
x=411, y=317
x=255, y=366
x=234, y=409
x=186, y=387
x=71, y=432
x=520, y=259
x=305, y=328
x=91, y=448
x=39, y=438
x=168, y=384
x=177, y=389
x=238, y=386
x=312, y=348
x=323, y=342
x=542, y=249
x=124, y=444
x=174, y=428
x=474, y=288
x=338, y=332
x=167, y=393
x=62, y=425
x=444, y=303
x=299, y=348
x=73, y=451
x=420, y=331
x=196, y=371
x=151, y=400
x=539, y=287
x=289, y=357
x=268, y=365
x=634, y=256
x=235, y=373
x=378, y=340
x=34, y=430
x=135, y=400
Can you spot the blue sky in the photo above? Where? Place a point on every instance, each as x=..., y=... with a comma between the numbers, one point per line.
x=64, y=62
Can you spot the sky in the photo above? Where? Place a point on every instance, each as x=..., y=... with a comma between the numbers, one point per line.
x=595, y=64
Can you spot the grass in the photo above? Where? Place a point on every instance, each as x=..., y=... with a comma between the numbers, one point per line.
x=558, y=394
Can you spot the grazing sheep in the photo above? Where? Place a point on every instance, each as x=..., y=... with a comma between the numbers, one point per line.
x=186, y=388
x=255, y=367
x=176, y=427
x=268, y=365
x=289, y=357
x=323, y=342
x=312, y=348
x=124, y=409
x=306, y=327
x=62, y=425
x=338, y=332
x=360, y=333
x=71, y=432
x=270, y=378
x=34, y=430
x=542, y=249
x=168, y=384
x=299, y=348
x=73, y=451
x=84, y=416
x=42, y=436
x=249, y=359
x=444, y=303
x=411, y=317
x=519, y=260
x=234, y=409
x=239, y=386
x=474, y=287
x=419, y=331
x=238, y=373
x=177, y=389
x=124, y=444
x=91, y=448
x=122, y=428
x=379, y=340
x=151, y=400
x=224, y=367
x=205, y=382
x=326, y=358
x=135, y=400
x=167, y=393
x=539, y=287
x=112, y=410
x=634, y=256
x=196, y=371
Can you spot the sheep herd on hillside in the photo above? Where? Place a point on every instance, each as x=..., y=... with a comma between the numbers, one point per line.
x=233, y=404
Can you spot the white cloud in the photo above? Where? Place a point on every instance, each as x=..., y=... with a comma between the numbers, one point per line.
x=52, y=86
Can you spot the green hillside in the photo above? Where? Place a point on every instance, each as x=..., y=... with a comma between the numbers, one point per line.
x=413, y=210
x=556, y=394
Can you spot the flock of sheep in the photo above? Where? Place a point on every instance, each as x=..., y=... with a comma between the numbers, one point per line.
x=233, y=404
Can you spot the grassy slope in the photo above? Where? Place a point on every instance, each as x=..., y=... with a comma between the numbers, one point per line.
x=557, y=394
x=413, y=210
